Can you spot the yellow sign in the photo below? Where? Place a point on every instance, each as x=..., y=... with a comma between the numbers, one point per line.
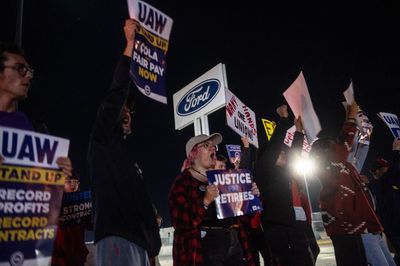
x=269, y=127
x=21, y=174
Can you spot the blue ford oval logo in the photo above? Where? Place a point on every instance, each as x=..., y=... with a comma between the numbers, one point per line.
x=198, y=97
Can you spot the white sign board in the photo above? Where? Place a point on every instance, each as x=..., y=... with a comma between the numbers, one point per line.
x=349, y=94
x=299, y=100
x=27, y=148
x=148, y=63
x=150, y=18
x=392, y=122
x=201, y=97
x=241, y=118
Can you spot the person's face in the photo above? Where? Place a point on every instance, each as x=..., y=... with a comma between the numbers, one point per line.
x=381, y=171
x=220, y=165
x=281, y=161
x=16, y=77
x=323, y=156
x=206, y=156
x=126, y=118
x=159, y=220
x=71, y=185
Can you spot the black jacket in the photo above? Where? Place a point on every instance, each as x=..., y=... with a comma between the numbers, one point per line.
x=386, y=191
x=273, y=181
x=121, y=204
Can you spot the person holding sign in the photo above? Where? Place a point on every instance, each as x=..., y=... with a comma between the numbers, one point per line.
x=199, y=237
x=15, y=79
x=69, y=247
x=43, y=176
x=125, y=225
x=253, y=226
x=346, y=211
x=283, y=218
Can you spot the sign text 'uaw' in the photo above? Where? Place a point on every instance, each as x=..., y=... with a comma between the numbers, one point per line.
x=28, y=148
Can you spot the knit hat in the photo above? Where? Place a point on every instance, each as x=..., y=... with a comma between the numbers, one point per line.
x=379, y=163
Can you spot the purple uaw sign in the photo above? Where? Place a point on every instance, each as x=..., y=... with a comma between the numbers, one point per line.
x=235, y=197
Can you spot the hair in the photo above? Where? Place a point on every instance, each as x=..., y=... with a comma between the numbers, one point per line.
x=221, y=158
x=379, y=163
x=7, y=47
x=321, y=144
x=75, y=175
x=188, y=162
x=130, y=100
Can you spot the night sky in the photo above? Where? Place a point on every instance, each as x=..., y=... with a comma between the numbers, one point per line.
x=74, y=45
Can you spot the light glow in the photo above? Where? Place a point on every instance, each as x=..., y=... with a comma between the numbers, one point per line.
x=304, y=166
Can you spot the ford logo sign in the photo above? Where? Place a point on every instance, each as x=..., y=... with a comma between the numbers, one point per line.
x=198, y=97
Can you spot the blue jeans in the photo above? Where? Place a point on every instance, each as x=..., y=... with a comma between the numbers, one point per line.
x=376, y=250
x=117, y=251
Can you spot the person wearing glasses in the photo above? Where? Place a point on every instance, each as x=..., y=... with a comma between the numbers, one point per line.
x=125, y=226
x=199, y=237
x=15, y=79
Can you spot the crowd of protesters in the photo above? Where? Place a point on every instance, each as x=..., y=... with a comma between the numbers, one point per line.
x=356, y=210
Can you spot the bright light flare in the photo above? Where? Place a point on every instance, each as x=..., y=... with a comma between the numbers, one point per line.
x=304, y=166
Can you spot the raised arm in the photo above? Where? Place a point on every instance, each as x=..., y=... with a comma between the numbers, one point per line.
x=110, y=110
x=245, y=157
x=349, y=128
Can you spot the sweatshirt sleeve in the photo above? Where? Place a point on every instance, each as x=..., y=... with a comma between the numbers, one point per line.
x=108, y=115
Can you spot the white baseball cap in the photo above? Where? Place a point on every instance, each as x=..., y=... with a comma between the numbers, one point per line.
x=216, y=138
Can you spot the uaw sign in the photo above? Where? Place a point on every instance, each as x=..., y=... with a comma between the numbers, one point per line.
x=234, y=152
x=392, y=121
x=241, y=118
x=31, y=189
x=148, y=63
x=201, y=97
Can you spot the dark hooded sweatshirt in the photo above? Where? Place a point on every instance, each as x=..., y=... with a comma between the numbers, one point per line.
x=274, y=181
x=121, y=204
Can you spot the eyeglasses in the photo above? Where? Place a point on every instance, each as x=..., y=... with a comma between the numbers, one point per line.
x=207, y=145
x=22, y=69
x=72, y=181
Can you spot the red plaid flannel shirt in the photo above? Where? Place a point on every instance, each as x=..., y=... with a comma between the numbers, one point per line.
x=185, y=202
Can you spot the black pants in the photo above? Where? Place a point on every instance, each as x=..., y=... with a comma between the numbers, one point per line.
x=395, y=243
x=349, y=250
x=221, y=247
x=309, y=233
x=258, y=245
x=289, y=246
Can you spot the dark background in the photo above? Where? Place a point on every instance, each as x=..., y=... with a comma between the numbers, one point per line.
x=73, y=46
